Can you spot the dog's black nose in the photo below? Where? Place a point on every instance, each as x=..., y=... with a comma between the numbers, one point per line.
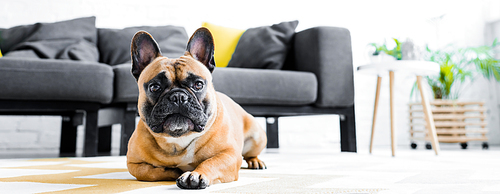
x=179, y=98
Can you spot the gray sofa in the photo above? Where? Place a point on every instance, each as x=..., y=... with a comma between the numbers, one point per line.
x=317, y=78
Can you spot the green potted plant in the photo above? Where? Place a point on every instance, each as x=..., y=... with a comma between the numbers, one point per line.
x=457, y=67
x=382, y=48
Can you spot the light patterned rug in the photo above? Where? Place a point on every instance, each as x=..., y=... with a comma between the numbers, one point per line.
x=411, y=171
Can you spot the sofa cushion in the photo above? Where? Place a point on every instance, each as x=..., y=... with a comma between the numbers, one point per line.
x=264, y=47
x=72, y=39
x=266, y=87
x=12, y=36
x=125, y=85
x=225, y=41
x=114, y=44
x=46, y=79
x=245, y=86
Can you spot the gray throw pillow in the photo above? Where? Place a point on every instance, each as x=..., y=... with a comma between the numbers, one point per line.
x=114, y=44
x=12, y=36
x=76, y=29
x=71, y=39
x=264, y=47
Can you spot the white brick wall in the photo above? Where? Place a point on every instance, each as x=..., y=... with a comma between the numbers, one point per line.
x=30, y=132
x=368, y=21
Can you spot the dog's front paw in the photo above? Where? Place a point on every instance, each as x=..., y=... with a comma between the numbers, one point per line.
x=192, y=180
x=255, y=163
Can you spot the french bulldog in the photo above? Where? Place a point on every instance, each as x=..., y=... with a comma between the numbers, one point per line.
x=187, y=131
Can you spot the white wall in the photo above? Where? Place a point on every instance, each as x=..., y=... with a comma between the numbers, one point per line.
x=368, y=21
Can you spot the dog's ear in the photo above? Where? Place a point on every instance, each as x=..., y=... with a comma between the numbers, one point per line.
x=144, y=50
x=201, y=47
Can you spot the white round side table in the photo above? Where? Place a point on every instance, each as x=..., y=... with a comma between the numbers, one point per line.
x=418, y=68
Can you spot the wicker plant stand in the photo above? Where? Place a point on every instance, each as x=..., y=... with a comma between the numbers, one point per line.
x=456, y=122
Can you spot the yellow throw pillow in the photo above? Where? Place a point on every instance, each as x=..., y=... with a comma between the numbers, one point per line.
x=0, y=53
x=225, y=40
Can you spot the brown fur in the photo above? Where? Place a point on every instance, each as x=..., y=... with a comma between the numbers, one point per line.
x=216, y=155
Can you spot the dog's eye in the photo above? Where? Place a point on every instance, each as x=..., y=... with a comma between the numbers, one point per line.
x=154, y=88
x=198, y=85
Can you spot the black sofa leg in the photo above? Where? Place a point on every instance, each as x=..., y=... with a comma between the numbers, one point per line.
x=128, y=126
x=348, y=131
x=69, y=124
x=272, y=132
x=91, y=134
x=104, y=143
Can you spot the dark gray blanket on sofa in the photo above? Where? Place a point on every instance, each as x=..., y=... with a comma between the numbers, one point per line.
x=73, y=39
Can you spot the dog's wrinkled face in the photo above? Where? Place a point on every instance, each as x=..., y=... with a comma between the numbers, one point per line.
x=175, y=95
x=175, y=99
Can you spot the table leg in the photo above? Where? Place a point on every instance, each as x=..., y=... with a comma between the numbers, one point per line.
x=428, y=116
x=393, y=115
x=377, y=94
